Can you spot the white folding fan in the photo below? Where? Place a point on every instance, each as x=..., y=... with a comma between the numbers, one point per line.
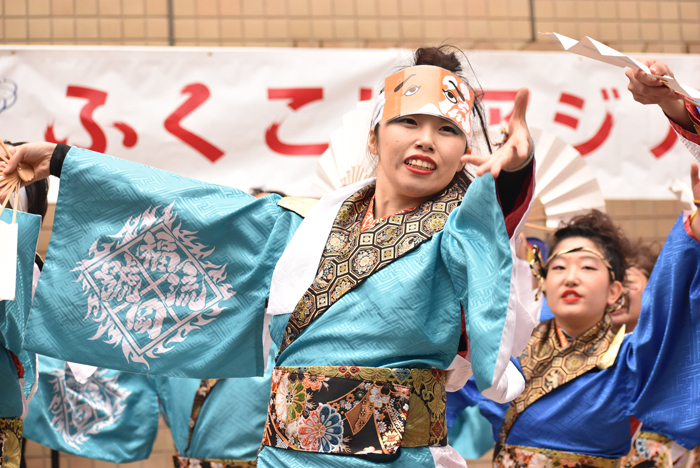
x=346, y=161
x=565, y=185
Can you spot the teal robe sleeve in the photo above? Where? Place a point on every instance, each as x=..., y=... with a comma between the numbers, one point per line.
x=13, y=319
x=113, y=416
x=150, y=272
x=476, y=249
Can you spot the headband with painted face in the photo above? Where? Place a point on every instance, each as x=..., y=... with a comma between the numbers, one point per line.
x=428, y=90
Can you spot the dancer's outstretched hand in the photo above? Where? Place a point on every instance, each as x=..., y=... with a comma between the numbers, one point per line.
x=695, y=183
x=648, y=90
x=37, y=155
x=515, y=151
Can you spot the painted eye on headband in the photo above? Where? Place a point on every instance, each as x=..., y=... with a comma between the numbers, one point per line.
x=411, y=91
x=451, y=97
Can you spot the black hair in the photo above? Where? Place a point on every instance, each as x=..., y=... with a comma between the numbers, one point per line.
x=599, y=228
x=258, y=190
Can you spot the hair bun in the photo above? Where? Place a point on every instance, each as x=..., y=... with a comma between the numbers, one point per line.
x=443, y=57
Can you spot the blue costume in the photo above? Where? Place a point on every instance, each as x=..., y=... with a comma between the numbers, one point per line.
x=654, y=378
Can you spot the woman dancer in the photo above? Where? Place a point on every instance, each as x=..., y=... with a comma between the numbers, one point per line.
x=584, y=381
x=367, y=293
x=636, y=278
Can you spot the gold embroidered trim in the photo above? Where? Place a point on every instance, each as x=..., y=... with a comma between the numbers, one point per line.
x=426, y=423
x=610, y=355
x=655, y=437
x=301, y=206
x=11, y=431
x=351, y=256
x=186, y=462
x=546, y=364
x=516, y=455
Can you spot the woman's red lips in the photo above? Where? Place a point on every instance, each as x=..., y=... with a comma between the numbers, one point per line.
x=421, y=170
x=570, y=296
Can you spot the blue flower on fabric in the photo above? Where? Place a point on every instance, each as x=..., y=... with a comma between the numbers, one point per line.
x=322, y=431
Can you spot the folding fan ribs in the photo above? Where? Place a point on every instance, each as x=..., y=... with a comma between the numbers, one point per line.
x=10, y=183
x=565, y=186
x=345, y=161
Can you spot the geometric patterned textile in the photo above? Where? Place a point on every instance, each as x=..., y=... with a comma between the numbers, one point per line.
x=356, y=410
x=10, y=442
x=546, y=364
x=515, y=456
x=205, y=386
x=187, y=462
x=653, y=450
x=351, y=256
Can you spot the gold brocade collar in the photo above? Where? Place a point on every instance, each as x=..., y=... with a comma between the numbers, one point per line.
x=547, y=363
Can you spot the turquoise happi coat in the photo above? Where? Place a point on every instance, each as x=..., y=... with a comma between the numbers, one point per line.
x=227, y=424
x=150, y=272
x=110, y=415
x=17, y=374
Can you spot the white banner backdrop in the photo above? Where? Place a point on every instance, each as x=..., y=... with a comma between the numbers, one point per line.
x=260, y=117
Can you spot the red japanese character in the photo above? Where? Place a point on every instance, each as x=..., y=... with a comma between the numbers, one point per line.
x=95, y=98
x=199, y=93
x=298, y=97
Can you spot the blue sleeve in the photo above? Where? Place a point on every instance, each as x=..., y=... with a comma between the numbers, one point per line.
x=10, y=391
x=662, y=356
x=476, y=250
x=176, y=398
x=489, y=409
x=15, y=313
x=150, y=272
x=113, y=416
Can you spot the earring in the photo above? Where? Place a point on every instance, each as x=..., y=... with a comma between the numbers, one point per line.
x=537, y=267
x=617, y=305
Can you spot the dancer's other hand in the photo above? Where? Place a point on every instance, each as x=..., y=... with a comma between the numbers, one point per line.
x=648, y=90
x=515, y=151
x=695, y=184
x=37, y=155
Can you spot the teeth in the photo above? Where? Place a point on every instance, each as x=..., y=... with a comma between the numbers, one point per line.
x=420, y=164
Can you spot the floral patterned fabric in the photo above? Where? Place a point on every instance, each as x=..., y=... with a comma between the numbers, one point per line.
x=351, y=255
x=514, y=456
x=186, y=462
x=356, y=410
x=205, y=387
x=10, y=442
x=649, y=450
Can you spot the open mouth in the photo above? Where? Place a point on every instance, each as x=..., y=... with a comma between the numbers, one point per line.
x=420, y=165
